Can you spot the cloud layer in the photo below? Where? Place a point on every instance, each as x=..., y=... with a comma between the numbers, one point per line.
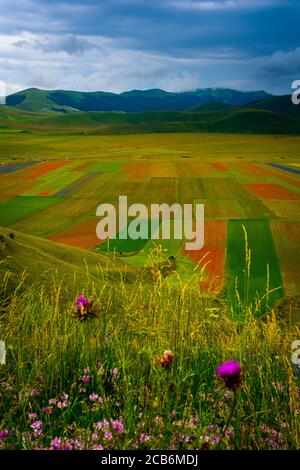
x=116, y=45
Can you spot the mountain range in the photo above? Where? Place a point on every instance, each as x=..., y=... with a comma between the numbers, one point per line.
x=35, y=99
x=207, y=110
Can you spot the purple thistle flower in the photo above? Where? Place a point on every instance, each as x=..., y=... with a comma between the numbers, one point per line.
x=230, y=373
x=83, y=302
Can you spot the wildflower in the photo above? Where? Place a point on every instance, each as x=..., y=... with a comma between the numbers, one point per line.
x=144, y=438
x=229, y=433
x=3, y=433
x=32, y=416
x=78, y=444
x=36, y=424
x=118, y=426
x=85, y=378
x=211, y=427
x=93, y=397
x=115, y=373
x=47, y=410
x=102, y=424
x=83, y=302
x=108, y=435
x=97, y=447
x=52, y=401
x=166, y=360
x=230, y=373
x=84, y=308
x=145, y=306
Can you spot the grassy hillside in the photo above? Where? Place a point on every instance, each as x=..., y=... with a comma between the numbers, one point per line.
x=43, y=261
x=34, y=99
x=236, y=120
x=278, y=104
x=210, y=106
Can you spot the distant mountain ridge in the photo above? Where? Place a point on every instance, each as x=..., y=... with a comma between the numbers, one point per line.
x=36, y=100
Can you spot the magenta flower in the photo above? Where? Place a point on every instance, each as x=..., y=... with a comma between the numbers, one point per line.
x=144, y=438
x=56, y=443
x=83, y=302
x=36, y=424
x=118, y=426
x=97, y=447
x=230, y=373
x=4, y=433
x=108, y=435
x=84, y=308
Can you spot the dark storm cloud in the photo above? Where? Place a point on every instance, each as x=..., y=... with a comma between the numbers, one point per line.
x=226, y=39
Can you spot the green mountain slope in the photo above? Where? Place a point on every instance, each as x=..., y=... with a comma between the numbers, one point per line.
x=236, y=120
x=43, y=261
x=34, y=99
x=278, y=104
x=210, y=106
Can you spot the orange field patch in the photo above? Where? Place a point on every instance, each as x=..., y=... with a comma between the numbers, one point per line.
x=271, y=191
x=195, y=168
x=43, y=168
x=82, y=235
x=44, y=193
x=286, y=237
x=212, y=255
x=254, y=171
x=219, y=166
x=163, y=170
x=137, y=171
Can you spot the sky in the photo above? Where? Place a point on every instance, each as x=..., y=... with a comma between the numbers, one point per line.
x=176, y=45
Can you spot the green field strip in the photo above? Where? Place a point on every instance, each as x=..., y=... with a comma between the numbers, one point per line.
x=59, y=171
x=263, y=254
x=224, y=188
x=55, y=183
x=160, y=190
x=286, y=185
x=170, y=247
x=20, y=207
x=106, y=167
x=190, y=189
x=236, y=209
x=127, y=245
x=286, y=236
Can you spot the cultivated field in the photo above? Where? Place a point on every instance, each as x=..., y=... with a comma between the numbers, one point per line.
x=250, y=186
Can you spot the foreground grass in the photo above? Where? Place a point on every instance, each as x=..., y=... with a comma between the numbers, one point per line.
x=98, y=384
